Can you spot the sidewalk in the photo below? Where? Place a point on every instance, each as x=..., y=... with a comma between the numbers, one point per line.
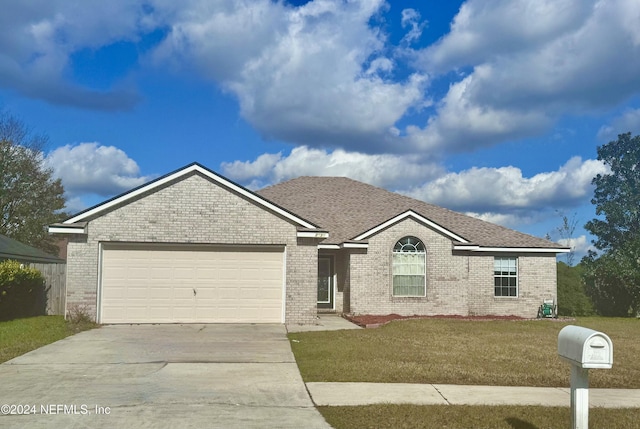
x=340, y=394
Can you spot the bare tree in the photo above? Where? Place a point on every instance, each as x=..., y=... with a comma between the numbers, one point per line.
x=566, y=232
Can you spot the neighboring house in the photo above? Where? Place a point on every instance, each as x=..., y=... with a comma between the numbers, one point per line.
x=17, y=251
x=51, y=267
x=193, y=246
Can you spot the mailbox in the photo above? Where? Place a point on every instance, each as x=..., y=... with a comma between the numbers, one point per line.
x=585, y=347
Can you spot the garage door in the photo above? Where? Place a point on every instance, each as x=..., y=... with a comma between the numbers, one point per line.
x=191, y=284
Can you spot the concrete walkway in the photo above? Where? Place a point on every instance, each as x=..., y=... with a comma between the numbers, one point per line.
x=325, y=322
x=338, y=394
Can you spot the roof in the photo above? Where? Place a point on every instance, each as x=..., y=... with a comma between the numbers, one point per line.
x=349, y=209
x=12, y=249
x=77, y=223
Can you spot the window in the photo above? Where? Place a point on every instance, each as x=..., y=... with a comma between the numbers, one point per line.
x=409, y=268
x=505, y=276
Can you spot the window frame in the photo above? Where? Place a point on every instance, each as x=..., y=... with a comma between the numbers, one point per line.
x=418, y=249
x=501, y=275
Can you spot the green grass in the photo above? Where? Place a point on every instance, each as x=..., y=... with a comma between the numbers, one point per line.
x=446, y=351
x=20, y=336
x=476, y=417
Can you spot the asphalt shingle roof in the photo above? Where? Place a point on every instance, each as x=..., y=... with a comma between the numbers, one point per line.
x=348, y=208
x=12, y=249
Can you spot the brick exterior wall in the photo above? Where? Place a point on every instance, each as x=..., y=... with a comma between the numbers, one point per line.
x=457, y=283
x=194, y=209
x=537, y=280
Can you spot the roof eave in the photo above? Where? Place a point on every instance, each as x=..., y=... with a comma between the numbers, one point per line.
x=350, y=244
x=313, y=234
x=476, y=248
x=62, y=228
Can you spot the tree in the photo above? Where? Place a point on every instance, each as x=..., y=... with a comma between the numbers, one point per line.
x=572, y=299
x=612, y=281
x=566, y=231
x=613, y=278
x=30, y=198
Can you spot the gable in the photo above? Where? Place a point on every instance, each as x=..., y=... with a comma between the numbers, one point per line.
x=415, y=216
x=164, y=184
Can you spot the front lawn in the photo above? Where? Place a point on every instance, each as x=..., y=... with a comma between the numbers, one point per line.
x=20, y=336
x=466, y=416
x=447, y=351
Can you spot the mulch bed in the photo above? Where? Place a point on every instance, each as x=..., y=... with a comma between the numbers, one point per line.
x=373, y=321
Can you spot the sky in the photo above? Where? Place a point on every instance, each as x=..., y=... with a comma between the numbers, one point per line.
x=493, y=108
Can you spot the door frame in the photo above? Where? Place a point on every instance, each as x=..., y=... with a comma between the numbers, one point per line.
x=331, y=304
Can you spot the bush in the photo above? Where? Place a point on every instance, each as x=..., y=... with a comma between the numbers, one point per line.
x=80, y=319
x=572, y=299
x=613, y=280
x=22, y=291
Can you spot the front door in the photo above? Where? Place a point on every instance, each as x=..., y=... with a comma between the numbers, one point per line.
x=325, y=282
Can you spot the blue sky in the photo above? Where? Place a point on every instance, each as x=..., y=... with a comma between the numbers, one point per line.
x=493, y=108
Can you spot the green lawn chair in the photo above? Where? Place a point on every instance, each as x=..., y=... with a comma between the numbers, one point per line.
x=548, y=309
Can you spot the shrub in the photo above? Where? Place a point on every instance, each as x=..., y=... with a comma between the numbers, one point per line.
x=79, y=318
x=21, y=291
x=572, y=299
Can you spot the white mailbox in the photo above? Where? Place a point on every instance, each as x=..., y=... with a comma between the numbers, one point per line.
x=585, y=347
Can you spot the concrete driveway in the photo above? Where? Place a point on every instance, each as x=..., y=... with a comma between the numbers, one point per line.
x=160, y=376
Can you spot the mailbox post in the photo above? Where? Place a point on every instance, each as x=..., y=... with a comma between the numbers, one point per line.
x=583, y=348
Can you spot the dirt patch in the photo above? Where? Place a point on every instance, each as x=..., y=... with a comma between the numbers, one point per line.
x=375, y=320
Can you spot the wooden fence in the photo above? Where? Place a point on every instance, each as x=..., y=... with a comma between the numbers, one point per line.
x=55, y=286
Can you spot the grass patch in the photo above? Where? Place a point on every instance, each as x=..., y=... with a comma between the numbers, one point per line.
x=446, y=351
x=20, y=336
x=466, y=416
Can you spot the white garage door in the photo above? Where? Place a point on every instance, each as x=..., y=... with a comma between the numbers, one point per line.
x=191, y=284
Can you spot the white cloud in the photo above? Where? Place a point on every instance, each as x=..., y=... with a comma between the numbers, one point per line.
x=484, y=30
x=389, y=171
x=214, y=36
x=508, y=220
x=318, y=74
x=37, y=39
x=629, y=121
x=411, y=19
x=74, y=204
x=464, y=124
x=325, y=74
x=90, y=168
x=527, y=63
x=504, y=190
x=580, y=245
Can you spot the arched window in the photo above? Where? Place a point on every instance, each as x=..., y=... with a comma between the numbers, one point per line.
x=409, y=267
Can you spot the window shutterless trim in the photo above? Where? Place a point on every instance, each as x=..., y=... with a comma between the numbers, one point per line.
x=506, y=276
x=415, y=243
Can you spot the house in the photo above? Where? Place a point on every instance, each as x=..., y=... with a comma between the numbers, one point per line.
x=17, y=251
x=193, y=246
